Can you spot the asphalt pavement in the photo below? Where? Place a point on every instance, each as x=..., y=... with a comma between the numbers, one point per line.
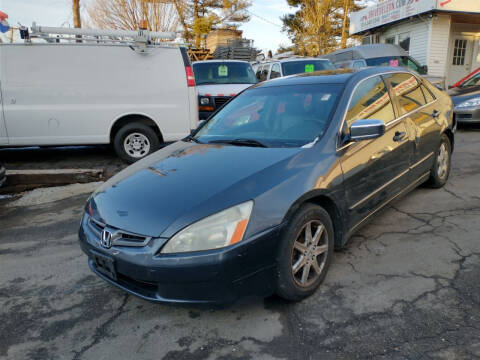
x=406, y=286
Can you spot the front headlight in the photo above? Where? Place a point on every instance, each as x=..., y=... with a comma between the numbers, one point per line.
x=469, y=103
x=204, y=101
x=216, y=231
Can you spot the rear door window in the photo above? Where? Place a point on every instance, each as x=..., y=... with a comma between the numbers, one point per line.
x=407, y=90
x=370, y=100
x=428, y=95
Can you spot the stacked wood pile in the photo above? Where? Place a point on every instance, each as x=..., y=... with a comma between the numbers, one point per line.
x=236, y=49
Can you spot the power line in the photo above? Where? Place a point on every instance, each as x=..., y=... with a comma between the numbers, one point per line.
x=263, y=19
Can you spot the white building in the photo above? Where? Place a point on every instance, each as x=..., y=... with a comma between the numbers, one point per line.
x=443, y=34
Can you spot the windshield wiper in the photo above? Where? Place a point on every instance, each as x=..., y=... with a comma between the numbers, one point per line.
x=240, y=142
x=192, y=138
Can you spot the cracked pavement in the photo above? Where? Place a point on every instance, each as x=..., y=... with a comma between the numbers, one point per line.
x=405, y=287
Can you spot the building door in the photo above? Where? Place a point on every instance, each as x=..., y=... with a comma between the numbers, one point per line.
x=461, y=58
x=476, y=54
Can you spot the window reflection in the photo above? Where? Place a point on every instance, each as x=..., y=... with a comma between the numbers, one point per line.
x=408, y=92
x=371, y=101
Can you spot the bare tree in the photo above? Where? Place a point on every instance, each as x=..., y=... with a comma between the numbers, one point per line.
x=159, y=15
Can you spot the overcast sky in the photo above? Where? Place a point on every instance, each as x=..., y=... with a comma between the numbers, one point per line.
x=264, y=26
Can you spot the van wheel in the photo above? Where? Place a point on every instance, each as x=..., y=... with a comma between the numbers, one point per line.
x=305, y=252
x=134, y=141
x=441, y=167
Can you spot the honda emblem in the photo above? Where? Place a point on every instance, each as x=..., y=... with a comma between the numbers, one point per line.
x=106, y=240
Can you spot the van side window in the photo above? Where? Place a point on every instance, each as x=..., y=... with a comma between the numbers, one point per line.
x=358, y=64
x=370, y=100
x=264, y=75
x=258, y=74
x=275, y=73
x=407, y=90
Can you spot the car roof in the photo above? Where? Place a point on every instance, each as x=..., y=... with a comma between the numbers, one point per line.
x=337, y=76
x=370, y=51
x=220, y=61
x=290, y=59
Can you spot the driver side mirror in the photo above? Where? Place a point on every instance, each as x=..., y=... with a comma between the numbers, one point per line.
x=424, y=69
x=366, y=129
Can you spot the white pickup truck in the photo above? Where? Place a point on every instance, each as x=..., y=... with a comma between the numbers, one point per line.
x=134, y=95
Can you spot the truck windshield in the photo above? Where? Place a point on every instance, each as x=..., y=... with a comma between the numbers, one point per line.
x=223, y=73
x=404, y=61
x=282, y=116
x=305, y=66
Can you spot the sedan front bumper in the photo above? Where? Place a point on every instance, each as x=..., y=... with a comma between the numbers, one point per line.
x=467, y=115
x=216, y=276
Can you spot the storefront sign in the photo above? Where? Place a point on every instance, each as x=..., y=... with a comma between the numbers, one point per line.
x=389, y=11
x=459, y=5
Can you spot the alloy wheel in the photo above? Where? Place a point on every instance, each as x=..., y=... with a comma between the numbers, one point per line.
x=442, y=161
x=309, y=253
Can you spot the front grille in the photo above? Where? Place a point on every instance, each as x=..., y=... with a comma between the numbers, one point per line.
x=119, y=237
x=220, y=100
x=464, y=116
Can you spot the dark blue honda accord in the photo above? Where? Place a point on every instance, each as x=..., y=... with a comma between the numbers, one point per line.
x=257, y=198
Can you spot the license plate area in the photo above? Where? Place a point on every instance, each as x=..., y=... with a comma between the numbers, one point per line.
x=105, y=265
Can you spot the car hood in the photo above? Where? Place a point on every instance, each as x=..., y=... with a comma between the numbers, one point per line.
x=149, y=195
x=221, y=89
x=460, y=95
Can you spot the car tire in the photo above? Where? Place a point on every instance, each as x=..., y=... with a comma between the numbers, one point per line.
x=440, y=169
x=134, y=141
x=291, y=283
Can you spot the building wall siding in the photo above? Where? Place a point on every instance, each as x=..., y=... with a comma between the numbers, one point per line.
x=419, y=36
x=439, y=44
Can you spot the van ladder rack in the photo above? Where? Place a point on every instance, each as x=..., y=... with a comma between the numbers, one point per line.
x=140, y=38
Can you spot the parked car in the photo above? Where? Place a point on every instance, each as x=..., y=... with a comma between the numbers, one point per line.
x=96, y=93
x=220, y=80
x=380, y=55
x=273, y=69
x=466, y=98
x=256, y=200
x=472, y=79
x=3, y=176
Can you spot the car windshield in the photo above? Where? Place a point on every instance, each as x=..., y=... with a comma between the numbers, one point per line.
x=223, y=73
x=282, y=116
x=473, y=81
x=403, y=61
x=305, y=66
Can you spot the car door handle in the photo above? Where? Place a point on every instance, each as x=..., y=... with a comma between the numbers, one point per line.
x=399, y=135
x=435, y=113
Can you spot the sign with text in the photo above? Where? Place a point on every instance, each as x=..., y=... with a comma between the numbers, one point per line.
x=388, y=11
x=459, y=5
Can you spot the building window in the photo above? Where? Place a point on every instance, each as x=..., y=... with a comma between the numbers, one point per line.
x=370, y=39
x=390, y=40
x=404, y=41
x=459, y=51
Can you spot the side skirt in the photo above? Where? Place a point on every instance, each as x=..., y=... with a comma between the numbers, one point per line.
x=405, y=191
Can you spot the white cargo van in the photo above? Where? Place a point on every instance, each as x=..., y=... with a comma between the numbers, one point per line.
x=133, y=95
